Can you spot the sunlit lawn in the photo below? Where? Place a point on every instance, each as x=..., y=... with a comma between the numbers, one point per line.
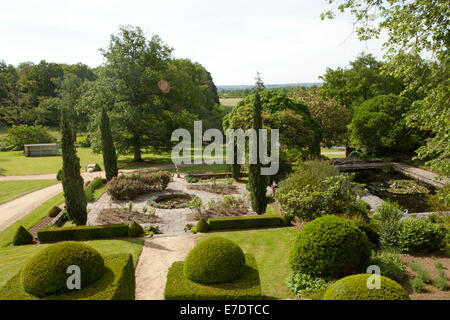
x=13, y=189
x=271, y=248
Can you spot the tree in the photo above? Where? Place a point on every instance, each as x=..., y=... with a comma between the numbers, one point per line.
x=108, y=150
x=414, y=27
x=71, y=178
x=257, y=183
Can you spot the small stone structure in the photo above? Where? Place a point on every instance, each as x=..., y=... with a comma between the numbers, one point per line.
x=41, y=149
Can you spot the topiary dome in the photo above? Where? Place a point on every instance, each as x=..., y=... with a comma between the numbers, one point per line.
x=330, y=247
x=215, y=260
x=355, y=288
x=46, y=273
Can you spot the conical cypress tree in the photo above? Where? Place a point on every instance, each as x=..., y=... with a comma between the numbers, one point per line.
x=108, y=150
x=257, y=182
x=235, y=167
x=71, y=178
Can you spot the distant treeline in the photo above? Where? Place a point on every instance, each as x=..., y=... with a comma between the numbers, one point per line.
x=243, y=91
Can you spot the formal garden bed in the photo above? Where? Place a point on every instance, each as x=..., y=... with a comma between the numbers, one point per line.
x=224, y=188
x=125, y=215
x=174, y=200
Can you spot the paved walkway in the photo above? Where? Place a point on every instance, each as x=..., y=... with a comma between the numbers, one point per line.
x=420, y=174
x=158, y=254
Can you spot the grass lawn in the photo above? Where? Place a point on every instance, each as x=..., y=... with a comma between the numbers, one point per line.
x=271, y=248
x=13, y=189
x=12, y=259
x=229, y=102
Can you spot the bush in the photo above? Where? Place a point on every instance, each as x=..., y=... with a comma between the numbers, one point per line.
x=135, y=229
x=333, y=195
x=91, y=187
x=82, y=232
x=420, y=236
x=46, y=272
x=389, y=234
x=214, y=260
x=355, y=288
x=54, y=211
x=59, y=175
x=202, y=226
x=117, y=283
x=20, y=135
x=390, y=264
x=246, y=287
x=22, y=236
x=440, y=201
x=299, y=282
x=388, y=212
x=245, y=222
x=330, y=247
x=358, y=209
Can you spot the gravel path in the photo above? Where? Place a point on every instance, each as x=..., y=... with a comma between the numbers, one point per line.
x=158, y=254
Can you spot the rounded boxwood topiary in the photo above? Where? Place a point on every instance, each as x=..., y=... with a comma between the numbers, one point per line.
x=214, y=260
x=135, y=229
x=330, y=247
x=22, y=236
x=46, y=273
x=202, y=225
x=355, y=288
x=54, y=211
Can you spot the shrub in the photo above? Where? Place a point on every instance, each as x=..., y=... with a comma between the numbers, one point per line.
x=245, y=222
x=22, y=236
x=333, y=195
x=417, y=284
x=135, y=229
x=355, y=288
x=54, y=211
x=298, y=282
x=214, y=260
x=358, y=209
x=440, y=201
x=46, y=272
x=420, y=236
x=389, y=234
x=202, y=226
x=388, y=212
x=82, y=232
x=422, y=274
x=23, y=134
x=246, y=287
x=330, y=247
x=59, y=175
x=390, y=264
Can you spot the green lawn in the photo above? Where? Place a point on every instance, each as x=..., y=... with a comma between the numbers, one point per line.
x=331, y=156
x=271, y=248
x=13, y=189
x=230, y=102
x=12, y=259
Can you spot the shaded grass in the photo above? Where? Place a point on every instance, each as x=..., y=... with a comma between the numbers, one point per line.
x=271, y=249
x=10, y=190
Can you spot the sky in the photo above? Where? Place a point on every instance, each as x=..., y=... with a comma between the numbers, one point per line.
x=284, y=40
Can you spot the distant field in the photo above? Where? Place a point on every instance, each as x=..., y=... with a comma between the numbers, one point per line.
x=230, y=102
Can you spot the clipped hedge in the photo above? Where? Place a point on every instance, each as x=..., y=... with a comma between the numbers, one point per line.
x=117, y=283
x=355, y=288
x=245, y=222
x=202, y=226
x=214, y=260
x=82, y=232
x=54, y=211
x=246, y=287
x=22, y=236
x=45, y=274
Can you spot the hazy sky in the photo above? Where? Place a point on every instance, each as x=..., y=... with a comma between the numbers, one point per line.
x=285, y=40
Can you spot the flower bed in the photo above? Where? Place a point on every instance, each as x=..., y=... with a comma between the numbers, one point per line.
x=125, y=215
x=213, y=187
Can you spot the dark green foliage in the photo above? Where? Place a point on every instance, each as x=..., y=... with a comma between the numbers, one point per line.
x=117, y=283
x=390, y=264
x=330, y=247
x=246, y=287
x=245, y=222
x=108, y=150
x=355, y=288
x=371, y=233
x=46, y=273
x=358, y=209
x=416, y=235
x=202, y=226
x=20, y=135
x=135, y=230
x=54, y=211
x=92, y=186
x=59, y=175
x=22, y=236
x=83, y=232
x=71, y=178
x=214, y=260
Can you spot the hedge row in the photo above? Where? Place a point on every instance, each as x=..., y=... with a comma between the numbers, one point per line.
x=83, y=232
x=244, y=222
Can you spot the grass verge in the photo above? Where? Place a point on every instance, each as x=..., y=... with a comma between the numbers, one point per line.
x=10, y=190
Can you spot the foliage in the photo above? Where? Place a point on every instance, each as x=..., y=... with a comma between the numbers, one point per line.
x=54, y=211
x=388, y=212
x=93, y=185
x=135, y=229
x=45, y=273
x=23, y=134
x=389, y=234
x=202, y=226
x=330, y=247
x=244, y=222
x=214, y=260
x=82, y=232
x=420, y=235
x=246, y=287
x=390, y=264
x=128, y=187
x=108, y=150
x=355, y=288
x=378, y=126
x=333, y=195
x=59, y=175
x=440, y=201
x=298, y=282
x=71, y=178
x=421, y=279
x=22, y=236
